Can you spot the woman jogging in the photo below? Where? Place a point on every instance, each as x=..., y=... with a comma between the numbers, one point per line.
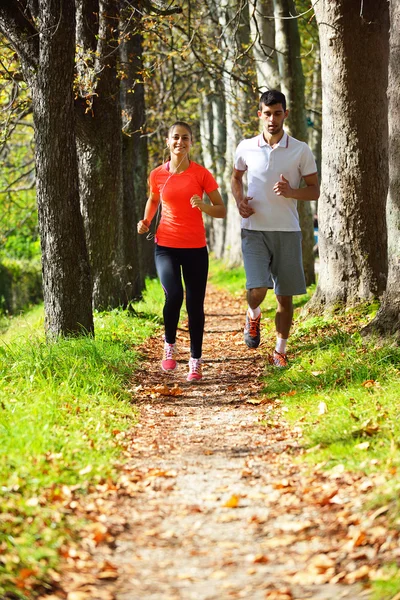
x=181, y=249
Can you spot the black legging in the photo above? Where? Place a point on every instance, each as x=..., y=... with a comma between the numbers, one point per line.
x=194, y=265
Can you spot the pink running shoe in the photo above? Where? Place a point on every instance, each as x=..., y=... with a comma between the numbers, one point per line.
x=194, y=369
x=169, y=363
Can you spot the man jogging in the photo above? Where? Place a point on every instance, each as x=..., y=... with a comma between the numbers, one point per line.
x=275, y=164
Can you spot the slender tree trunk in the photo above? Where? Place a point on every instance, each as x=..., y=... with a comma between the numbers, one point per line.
x=213, y=143
x=100, y=154
x=293, y=86
x=239, y=101
x=387, y=320
x=352, y=221
x=262, y=26
x=139, y=251
x=48, y=64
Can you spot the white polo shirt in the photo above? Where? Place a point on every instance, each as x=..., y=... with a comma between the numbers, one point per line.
x=264, y=165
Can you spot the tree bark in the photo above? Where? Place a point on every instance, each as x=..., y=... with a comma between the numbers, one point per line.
x=315, y=131
x=352, y=223
x=262, y=26
x=239, y=101
x=387, y=321
x=47, y=60
x=100, y=151
x=293, y=86
x=213, y=145
x=139, y=251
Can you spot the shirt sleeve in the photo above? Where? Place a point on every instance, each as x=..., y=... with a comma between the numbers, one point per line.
x=209, y=183
x=308, y=165
x=240, y=162
x=153, y=181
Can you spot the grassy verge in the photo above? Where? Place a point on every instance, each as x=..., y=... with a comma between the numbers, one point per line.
x=62, y=407
x=343, y=391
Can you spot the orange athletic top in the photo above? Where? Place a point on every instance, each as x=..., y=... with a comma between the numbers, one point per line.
x=181, y=225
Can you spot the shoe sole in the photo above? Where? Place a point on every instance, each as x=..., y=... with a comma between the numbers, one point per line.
x=168, y=370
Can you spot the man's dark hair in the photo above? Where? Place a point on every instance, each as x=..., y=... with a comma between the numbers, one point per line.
x=271, y=97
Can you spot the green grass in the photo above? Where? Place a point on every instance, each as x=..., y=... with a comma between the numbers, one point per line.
x=354, y=381
x=231, y=279
x=62, y=406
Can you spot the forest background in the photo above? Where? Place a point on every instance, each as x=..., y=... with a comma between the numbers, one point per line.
x=96, y=97
x=88, y=90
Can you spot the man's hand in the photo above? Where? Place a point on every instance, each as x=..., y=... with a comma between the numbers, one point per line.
x=245, y=210
x=282, y=188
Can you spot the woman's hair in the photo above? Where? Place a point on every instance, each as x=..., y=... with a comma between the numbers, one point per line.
x=180, y=124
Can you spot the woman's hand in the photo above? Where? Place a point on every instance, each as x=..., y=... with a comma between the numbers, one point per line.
x=197, y=202
x=143, y=226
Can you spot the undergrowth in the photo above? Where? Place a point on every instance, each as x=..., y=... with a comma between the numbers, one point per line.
x=342, y=392
x=62, y=408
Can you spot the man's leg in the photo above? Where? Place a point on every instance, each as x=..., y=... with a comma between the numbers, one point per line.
x=255, y=297
x=253, y=317
x=283, y=322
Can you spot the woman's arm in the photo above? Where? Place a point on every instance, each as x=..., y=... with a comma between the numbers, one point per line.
x=150, y=210
x=216, y=209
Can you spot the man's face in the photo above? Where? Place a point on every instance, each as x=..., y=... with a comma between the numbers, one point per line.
x=272, y=118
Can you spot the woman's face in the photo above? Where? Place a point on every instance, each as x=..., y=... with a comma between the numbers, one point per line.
x=179, y=141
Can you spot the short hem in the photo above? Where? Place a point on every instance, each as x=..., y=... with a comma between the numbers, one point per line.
x=291, y=294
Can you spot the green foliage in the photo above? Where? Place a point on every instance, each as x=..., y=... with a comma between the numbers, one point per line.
x=64, y=408
x=18, y=215
x=20, y=284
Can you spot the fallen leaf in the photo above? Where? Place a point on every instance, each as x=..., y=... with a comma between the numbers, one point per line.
x=358, y=574
x=322, y=408
x=233, y=502
x=363, y=446
x=260, y=559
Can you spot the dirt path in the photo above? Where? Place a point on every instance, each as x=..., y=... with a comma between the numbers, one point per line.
x=213, y=503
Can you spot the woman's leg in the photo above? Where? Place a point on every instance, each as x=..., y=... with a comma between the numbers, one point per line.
x=195, y=271
x=169, y=272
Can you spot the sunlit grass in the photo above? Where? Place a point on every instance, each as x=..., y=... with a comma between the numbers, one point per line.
x=342, y=392
x=62, y=408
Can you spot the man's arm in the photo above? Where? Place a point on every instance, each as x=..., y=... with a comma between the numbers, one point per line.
x=242, y=201
x=310, y=192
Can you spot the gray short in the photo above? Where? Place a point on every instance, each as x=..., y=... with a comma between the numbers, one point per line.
x=273, y=259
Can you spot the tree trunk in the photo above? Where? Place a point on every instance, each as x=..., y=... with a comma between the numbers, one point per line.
x=352, y=222
x=262, y=26
x=213, y=144
x=100, y=153
x=387, y=321
x=293, y=86
x=48, y=63
x=315, y=130
x=139, y=251
x=239, y=101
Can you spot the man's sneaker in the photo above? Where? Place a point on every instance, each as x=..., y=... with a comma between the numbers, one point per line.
x=278, y=359
x=168, y=363
x=252, y=331
x=194, y=369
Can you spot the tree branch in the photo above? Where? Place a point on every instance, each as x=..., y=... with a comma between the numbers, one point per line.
x=17, y=26
x=149, y=6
